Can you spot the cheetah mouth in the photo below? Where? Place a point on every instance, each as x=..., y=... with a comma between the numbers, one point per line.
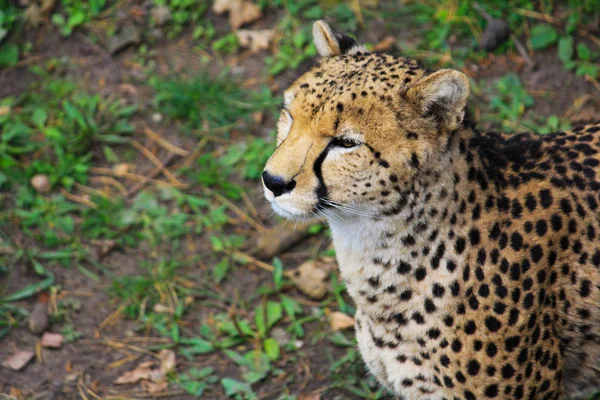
x=290, y=213
x=282, y=206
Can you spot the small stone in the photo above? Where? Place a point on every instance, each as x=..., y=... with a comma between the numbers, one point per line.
x=157, y=117
x=298, y=344
x=18, y=360
x=495, y=33
x=52, y=340
x=311, y=278
x=38, y=319
x=128, y=35
x=280, y=335
x=161, y=15
x=163, y=309
x=41, y=183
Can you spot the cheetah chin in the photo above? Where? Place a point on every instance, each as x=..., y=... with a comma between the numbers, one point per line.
x=473, y=257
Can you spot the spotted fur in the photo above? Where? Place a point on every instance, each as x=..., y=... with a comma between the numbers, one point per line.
x=473, y=257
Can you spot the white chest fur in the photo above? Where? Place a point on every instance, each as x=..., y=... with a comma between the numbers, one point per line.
x=399, y=317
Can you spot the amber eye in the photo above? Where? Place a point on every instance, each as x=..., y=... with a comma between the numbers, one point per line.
x=345, y=143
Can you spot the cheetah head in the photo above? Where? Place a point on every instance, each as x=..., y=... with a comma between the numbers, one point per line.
x=357, y=129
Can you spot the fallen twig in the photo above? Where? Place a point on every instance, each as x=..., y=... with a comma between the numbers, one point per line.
x=166, y=145
x=251, y=260
x=237, y=211
x=78, y=199
x=110, y=181
x=523, y=51
x=134, y=177
x=156, y=162
x=140, y=185
x=120, y=346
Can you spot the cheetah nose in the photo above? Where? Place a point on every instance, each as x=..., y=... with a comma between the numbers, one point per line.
x=277, y=184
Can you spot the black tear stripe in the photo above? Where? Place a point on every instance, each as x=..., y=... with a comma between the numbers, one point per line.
x=321, y=188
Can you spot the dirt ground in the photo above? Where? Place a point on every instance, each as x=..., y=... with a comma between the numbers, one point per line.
x=93, y=360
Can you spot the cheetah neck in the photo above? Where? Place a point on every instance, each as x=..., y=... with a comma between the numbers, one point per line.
x=399, y=265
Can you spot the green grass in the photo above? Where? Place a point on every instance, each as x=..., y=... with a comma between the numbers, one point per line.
x=204, y=102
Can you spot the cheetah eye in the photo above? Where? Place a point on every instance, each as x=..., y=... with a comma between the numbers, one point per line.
x=346, y=143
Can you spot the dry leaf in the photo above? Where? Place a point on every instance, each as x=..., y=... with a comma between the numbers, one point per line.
x=121, y=169
x=240, y=11
x=15, y=392
x=255, y=40
x=311, y=279
x=152, y=388
x=18, y=360
x=52, y=340
x=144, y=371
x=128, y=89
x=4, y=110
x=258, y=117
x=163, y=309
x=339, y=321
x=167, y=361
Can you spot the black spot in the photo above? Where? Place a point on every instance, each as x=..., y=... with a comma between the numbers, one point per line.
x=516, y=241
x=456, y=346
x=491, y=391
x=536, y=253
x=584, y=289
x=433, y=333
x=455, y=288
x=530, y=202
x=451, y=265
x=473, y=367
x=374, y=281
x=492, y=323
x=491, y=350
x=528, y=301
x=474, y=236
x=414, y=160
x=438, y=290
x=429, y=306
x=418, y=318
x=512, y=343
x=517, y=209
x=470, y=327
x=545, y=198
x=460, y=245
x=556, y=222
x=403, y=268
x=448, y=320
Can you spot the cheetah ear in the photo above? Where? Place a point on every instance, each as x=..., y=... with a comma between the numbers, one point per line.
x=331, y=43
x=443, y=96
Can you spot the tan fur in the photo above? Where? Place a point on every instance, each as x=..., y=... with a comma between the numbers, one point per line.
x=473, y=258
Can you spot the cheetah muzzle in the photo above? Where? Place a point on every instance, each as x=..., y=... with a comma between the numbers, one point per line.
x=473, y=257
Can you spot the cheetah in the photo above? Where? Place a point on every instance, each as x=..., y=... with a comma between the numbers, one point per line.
x=473, y=257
